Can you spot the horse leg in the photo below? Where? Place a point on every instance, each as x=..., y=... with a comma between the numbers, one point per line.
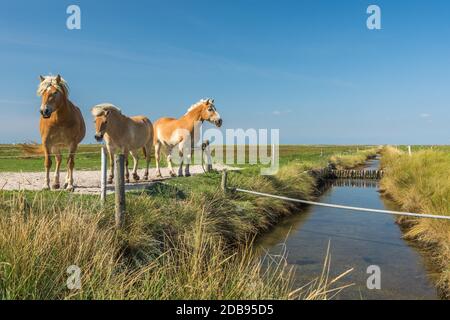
x=169, y=161
x=70, y=166
x=127, y=171
x=58, y=158
x=180, y=154
x=135, y=156
x=147, y=150
x=48, y=165
x=157, y=155
x=186, y=167
x=111, y=153
x=188, y=153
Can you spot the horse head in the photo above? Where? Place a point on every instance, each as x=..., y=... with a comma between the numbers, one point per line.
x=209, y=113
x=53, y=91
x=102, y=113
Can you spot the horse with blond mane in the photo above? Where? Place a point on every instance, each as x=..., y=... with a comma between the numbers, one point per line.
x=125, y=135
x=170, y=132
x=61, y=126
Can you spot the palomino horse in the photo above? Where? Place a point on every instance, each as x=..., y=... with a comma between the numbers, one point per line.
x=170, y=132
x=61, y=126
x=123, y=134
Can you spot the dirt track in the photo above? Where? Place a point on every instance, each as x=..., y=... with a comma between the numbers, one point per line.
x=86, y=182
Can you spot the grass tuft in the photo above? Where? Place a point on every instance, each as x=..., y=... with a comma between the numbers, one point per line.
x=420, y=183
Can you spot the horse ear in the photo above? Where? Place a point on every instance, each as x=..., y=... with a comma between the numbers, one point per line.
x=41, y=78
x=58, y=78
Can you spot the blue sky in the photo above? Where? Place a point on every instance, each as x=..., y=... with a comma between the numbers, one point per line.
x=310, y=68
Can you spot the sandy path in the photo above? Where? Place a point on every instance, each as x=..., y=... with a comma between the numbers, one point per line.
x=86, y=182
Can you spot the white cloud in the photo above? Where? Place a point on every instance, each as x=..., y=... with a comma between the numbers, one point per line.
x=280, y=112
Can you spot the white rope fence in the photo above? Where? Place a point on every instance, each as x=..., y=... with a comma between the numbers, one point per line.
x=337, y=206
x=26, y=156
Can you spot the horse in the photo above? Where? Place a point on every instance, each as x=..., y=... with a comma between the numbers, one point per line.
x=123, y=134
x=61, y=126
x=171, y=132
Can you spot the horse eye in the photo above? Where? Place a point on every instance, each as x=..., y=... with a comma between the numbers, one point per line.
x=210, y=109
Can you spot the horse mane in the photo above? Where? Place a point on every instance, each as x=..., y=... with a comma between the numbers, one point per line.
x=197, y=104
x=49, y=81
x=101, y=108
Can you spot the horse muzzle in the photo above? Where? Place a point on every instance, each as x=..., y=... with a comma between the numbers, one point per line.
x=46, y=113
x=99, y=137
x=218, y=123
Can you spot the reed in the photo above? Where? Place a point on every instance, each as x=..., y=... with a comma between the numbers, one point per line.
x=421, y=183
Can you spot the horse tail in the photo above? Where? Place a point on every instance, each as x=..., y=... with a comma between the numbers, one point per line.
x=145, y=152
x=32, y=148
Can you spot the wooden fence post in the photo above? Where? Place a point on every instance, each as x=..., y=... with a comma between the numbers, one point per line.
x=224, y=180
x=119, y=160
x=103, y=176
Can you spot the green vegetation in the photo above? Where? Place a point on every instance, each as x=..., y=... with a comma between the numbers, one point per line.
x=421, y=183
x=13, y=159
x=352, y=160
x=181, y=239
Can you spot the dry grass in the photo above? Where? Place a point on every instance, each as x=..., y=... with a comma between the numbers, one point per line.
x=350, y=161
x=421, y=183
x=187, y=241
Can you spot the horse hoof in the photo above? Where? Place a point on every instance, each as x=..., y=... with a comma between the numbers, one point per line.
x=56, y=186
x=145, y=178
x=172, y=174
x=127, y=180
x=45, y=188
x=65, y=185
x=158, y=176
x=136, y=177
x=70, y=188
x=187, y=174
x=110, y=181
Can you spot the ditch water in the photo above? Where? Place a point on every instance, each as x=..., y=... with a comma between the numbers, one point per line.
x=357, y=240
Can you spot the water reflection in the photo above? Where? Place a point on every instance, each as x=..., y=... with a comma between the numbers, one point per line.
x=358, y=240
x=353, y=183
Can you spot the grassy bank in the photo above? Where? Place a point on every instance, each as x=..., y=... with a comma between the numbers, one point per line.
x=352, y=160
x=182, y=239
x=420, y=183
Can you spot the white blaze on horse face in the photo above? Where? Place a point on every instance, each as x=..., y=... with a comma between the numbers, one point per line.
x=214, y=116
x=100, y=127
x=49, y=101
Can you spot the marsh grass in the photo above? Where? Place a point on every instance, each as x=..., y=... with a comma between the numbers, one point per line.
x=353, y=160
x=183, y=239
x=421, y=183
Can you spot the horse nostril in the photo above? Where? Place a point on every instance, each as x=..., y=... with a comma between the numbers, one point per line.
x=45, y=113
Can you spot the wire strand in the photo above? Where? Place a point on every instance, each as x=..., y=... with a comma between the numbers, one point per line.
x=337, y=206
